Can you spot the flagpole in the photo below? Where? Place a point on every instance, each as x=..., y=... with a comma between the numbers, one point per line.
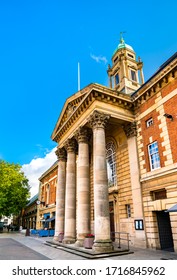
x=78, y=76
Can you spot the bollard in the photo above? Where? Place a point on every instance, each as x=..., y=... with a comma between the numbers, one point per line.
x=27, y=232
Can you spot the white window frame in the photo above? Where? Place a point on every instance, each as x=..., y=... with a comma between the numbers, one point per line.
x=149, y=122
x=111, y=164
x=154, y=157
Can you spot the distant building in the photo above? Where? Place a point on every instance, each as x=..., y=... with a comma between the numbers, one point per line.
x=117, y=158
x=47, y=198
x=7, y=220
x=29, y=214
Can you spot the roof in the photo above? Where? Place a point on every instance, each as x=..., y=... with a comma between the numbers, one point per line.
x=50, y=169
x=33, y=199
x=168, y=61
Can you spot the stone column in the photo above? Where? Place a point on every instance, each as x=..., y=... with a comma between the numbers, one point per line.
x=83, y=186
x=70, y=195
x=60, y=192
x=142, y=76
x=130, y=131
x=102, y=242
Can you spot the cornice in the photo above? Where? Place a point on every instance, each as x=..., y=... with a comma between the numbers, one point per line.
x=159, y=173
x=155, y=83
x=48, y=171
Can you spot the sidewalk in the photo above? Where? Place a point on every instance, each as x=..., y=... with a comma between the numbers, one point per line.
x=38, y=244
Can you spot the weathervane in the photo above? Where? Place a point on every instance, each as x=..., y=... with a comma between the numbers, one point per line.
x=121, y=36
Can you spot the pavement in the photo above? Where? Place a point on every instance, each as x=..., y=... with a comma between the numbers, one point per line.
x=17, y=246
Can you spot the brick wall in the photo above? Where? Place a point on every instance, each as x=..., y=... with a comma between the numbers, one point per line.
x=163, y=129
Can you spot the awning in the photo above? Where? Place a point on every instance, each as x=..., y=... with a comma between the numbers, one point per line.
x=172, y=209
x=50, y=219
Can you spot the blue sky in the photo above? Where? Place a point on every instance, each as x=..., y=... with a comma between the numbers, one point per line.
x=41, y=43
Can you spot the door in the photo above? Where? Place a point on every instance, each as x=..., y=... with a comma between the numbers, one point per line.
x=165, y=232
x=111, y=213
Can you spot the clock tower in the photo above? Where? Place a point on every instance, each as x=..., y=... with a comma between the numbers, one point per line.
x=126, y=74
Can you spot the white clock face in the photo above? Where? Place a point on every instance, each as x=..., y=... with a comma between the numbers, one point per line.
x=38, y=202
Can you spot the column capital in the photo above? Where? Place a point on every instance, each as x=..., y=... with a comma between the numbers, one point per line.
x=130, y=129
x=82, y=135
x=98, y=120
x=61, y=154
x=71, y=145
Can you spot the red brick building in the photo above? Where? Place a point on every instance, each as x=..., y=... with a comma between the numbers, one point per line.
x=156, y=116
x=47, y=198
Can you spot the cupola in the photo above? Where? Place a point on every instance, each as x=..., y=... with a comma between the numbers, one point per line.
x=125, y=74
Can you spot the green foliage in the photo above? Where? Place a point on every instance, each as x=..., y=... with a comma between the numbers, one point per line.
x=14, y=188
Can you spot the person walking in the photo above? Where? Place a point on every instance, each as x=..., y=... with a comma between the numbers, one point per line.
x=8, y=228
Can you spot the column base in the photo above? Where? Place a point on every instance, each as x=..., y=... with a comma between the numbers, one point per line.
x=79, y=243
x=68, y=240
x=55, y=238
x=101, y=246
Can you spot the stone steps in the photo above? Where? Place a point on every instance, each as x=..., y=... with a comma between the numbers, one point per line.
x=86, y=253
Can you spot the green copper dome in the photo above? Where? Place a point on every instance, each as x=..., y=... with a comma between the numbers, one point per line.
x=122, y=45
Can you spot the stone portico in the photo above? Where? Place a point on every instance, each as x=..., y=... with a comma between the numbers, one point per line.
x=118, y=159
x=89, y=118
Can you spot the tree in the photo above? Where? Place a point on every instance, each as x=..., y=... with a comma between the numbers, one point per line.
x=14, y=188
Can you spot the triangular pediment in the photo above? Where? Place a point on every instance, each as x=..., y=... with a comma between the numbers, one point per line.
x=70, y=106
x=76, y=107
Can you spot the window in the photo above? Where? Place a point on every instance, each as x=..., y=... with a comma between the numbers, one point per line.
x=154, y=156
x=149, y=122
x=111, y=164
x=160, y=194
x=47, y=194
x=130, y=55
x=116, y=59
x=128, y=210
x=116, y=79
x=133, y=75
x=123, y=90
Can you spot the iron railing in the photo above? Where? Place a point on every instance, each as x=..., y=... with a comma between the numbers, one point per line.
x=121, y=239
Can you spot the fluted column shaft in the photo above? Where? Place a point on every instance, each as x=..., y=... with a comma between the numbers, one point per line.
x=60, y=193
x=70, y=196
x=102, y=241
x=83, y=187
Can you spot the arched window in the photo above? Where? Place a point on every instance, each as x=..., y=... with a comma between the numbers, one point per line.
x=111, y=163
